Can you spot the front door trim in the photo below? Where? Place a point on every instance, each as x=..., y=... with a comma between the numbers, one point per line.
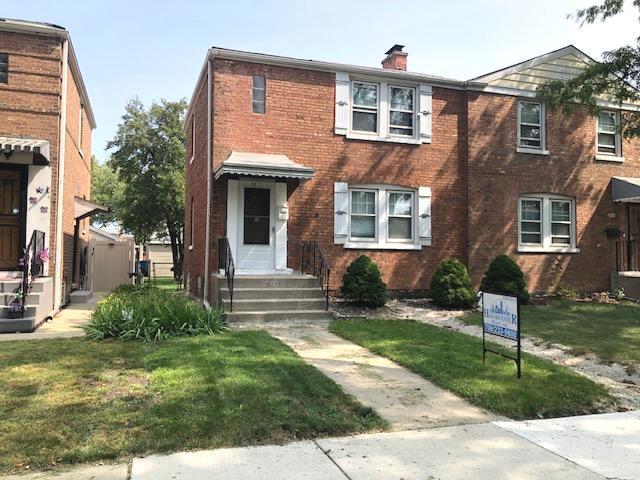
x=22, y=225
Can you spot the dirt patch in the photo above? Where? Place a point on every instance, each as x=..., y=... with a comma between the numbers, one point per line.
x=622, y=381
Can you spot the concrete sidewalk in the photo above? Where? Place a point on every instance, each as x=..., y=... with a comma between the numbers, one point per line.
x=593, y=447
x=64, y=325
x=406, y=400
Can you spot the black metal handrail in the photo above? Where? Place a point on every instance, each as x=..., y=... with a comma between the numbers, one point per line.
x=225, y=262
x=627, y=255
x=314, y=262
x=31, y=266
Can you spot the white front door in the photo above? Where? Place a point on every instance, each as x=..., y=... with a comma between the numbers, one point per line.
x=256, y=227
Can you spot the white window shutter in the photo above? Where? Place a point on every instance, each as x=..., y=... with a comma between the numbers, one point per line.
x=340, y=212
x=342, y=103
x=425, y=112
x=424, y=215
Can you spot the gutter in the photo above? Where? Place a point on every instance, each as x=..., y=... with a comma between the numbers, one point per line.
x=205, y=295
x=62, y=141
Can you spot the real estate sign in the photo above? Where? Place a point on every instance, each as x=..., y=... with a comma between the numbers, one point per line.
x=501, y=317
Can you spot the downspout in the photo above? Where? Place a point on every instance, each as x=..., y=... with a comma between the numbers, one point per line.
x=208, y=226
x=57, y=290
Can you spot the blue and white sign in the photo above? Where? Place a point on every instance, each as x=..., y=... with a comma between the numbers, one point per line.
x=500, y=315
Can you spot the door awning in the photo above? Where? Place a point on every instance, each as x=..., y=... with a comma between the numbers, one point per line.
x=263, y=165
x=39, y=148
x=626, y=189
x=85, y=208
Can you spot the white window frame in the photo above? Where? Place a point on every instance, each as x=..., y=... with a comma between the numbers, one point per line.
x=382, y=133
x=413, y=217
x=605, y=156
x=192, y=216
x=413, y=112
x=382, y=240
x=365, y=109
x=375, y=215
x=80, y=125
x=542, y=150
x=546, y=245
x=193, y=138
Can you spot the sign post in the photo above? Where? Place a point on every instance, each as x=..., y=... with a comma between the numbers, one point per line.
x=501, y=317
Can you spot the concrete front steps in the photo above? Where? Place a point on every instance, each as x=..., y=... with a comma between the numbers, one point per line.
x=37, y=306
x=261, y=299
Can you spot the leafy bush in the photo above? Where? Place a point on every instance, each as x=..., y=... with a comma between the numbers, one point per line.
x=362, y=283
x=504, y=276
x=451, y=285
x=564, y=292
x=150, y=314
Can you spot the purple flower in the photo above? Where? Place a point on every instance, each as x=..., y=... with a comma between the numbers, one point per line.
x=16, y=307
x=43, y=255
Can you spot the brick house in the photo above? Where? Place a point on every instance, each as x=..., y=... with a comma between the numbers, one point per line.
x=46, y=123
x=404, y=167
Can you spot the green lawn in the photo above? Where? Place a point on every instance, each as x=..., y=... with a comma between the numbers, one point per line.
x=76, y=400
x=611, y=331
x=167, y=283
x=454, y=361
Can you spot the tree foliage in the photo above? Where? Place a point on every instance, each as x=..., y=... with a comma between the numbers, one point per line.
x=107, y=190
x=148, y=154
x=616, y=77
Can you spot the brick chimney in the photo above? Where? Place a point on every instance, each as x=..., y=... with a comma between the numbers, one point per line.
x=395, y=58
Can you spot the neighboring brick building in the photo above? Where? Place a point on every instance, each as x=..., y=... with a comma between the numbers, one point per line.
x=406, y=168
x=45, y=152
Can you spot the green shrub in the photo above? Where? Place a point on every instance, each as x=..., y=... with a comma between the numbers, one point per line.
x=564, y=292
x=451, y=285
x=504, y=276
x=150, y=314
x=362, y=283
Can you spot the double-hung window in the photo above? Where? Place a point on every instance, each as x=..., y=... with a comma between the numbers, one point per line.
x=546, y=223
x=365, y=107
x=531, y=134
x=401, y=111
x=259, y=92
x=363, y=215
x=400, y=216
x=4, y=68
x=609, y=133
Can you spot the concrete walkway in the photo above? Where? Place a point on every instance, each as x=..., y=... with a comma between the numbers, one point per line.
x=64, y=325
x=406, y=400
x=593, y=447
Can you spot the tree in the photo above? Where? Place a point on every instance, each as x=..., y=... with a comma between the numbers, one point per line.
x=617, y=76
x=148, y=157
x=107, y=190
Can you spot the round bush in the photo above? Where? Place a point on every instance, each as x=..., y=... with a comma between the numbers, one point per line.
x=362, y=283
x=451, y=285
x=504, y=276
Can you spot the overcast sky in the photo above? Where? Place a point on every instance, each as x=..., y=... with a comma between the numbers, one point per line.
x=155, y=49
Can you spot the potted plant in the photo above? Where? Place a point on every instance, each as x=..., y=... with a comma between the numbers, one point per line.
x=16, y=309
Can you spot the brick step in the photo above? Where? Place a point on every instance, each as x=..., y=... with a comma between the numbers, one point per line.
x=272, y=293
x=237, y=318
x=275, y=304
x=13, y=325
x=273, y=281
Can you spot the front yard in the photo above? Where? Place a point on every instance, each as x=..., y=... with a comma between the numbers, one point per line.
x=77, y=400
x=453, y=361
x=611, y=331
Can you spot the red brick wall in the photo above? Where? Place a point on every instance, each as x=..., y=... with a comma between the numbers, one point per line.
x=196, y=189
x=497, y=176
x=30, y=101
x=299, y=123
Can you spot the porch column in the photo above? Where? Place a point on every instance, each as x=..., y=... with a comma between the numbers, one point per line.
x=281, y=218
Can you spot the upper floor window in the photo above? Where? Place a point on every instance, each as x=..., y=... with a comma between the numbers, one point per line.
x=365, y=107
x=546, y=223
x=401, y=111
x=259, y=93
x=4, y=67
x=193, y=137
x=609, y=133
x=531, y=131
x=191, y=224
x=80, y=127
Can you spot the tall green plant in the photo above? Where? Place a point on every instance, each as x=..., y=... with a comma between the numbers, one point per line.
x=363, y=284
x=451, y=285
x=505, y=276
